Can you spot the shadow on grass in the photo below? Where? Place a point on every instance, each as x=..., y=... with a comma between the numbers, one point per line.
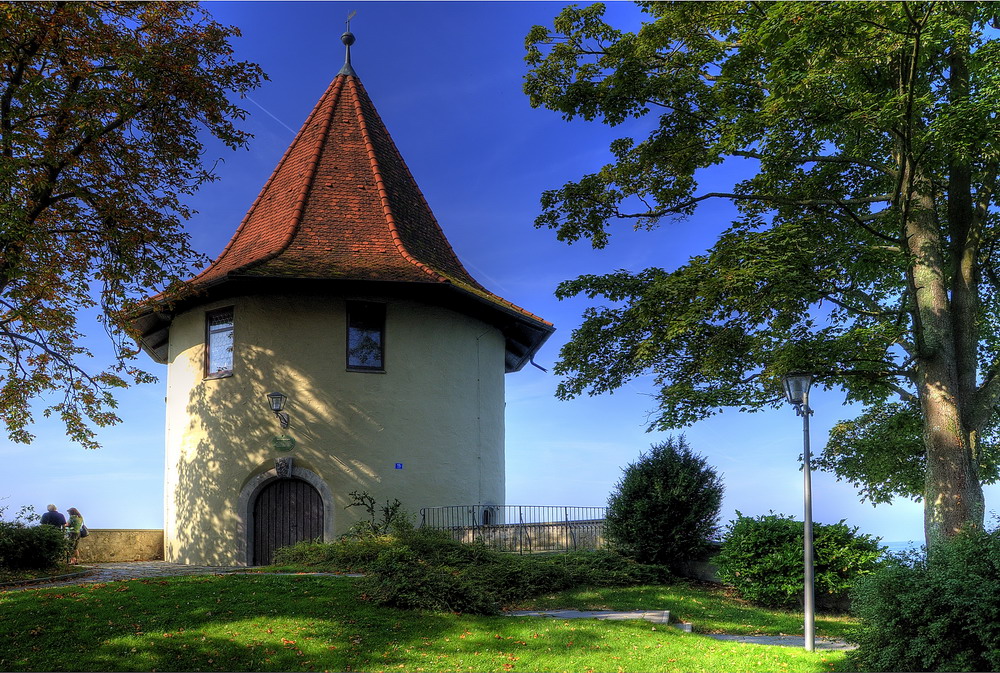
x=259, y=623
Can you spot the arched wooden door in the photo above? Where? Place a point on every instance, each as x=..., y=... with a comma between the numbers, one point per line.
x=285, y=511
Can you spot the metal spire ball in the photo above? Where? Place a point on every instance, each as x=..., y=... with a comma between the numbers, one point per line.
x=348, y=39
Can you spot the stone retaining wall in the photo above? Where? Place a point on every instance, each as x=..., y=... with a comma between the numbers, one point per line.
x=107, y=545
x=531, y=538
x=566, y=536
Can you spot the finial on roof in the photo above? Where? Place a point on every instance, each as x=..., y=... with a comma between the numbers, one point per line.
x=348, y=39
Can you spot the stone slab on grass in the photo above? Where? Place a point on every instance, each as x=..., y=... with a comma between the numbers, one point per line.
x=654, y=616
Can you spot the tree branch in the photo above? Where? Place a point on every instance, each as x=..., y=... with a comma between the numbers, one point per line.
x=816, y=159
x=986, y=396
x=903, y=393
x=754, y=197
x=898, y=243
x=15, y=81
x=42, y=344
x=872, y=313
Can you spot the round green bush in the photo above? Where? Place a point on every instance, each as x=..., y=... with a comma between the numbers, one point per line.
x=762, y=558
x=665, y=508
x=932, y=612
x=24, y=547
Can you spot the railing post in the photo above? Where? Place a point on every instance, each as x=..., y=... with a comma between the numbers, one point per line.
x=504, y=534
x=520, y=530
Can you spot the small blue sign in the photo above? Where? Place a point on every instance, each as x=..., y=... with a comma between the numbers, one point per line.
x=399, y=466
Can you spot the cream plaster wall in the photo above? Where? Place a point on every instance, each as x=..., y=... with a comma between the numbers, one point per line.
x=438, y=409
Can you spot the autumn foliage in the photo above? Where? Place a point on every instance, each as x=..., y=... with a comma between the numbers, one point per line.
x=103, y=108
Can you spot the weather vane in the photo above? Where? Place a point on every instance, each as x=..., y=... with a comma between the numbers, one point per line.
x=348, y=39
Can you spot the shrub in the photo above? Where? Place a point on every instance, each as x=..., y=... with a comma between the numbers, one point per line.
x=389, y=518
x=360, y=546
x=404, y=578
x=347, y=554
x=400, y=578
x=932, y=612
x=24, y=547
x=665, y=508
x=358, y=552
x=762, y=559
x=607, y=569
x=426, y=569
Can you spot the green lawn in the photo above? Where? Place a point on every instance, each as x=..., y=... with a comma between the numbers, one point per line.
x=276, y=623
x=710, y=608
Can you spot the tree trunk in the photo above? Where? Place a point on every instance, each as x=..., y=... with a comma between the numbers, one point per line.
x=943, y=321
x=953, y=495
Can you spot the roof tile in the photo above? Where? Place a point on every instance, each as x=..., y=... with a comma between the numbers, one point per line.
x=341, y=204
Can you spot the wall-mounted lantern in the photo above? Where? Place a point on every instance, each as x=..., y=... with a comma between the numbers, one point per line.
x=276, y=403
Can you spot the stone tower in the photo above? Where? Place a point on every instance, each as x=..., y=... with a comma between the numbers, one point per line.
x=340, y=291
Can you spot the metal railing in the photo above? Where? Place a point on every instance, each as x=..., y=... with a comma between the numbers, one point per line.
x=523, y=529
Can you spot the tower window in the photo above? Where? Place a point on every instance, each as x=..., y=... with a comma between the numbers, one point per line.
x=365, y=336
x=219, y=343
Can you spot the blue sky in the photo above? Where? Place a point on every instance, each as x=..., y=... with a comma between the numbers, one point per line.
x=446, y=78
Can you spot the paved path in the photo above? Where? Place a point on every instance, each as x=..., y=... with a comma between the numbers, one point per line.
x=655, y=616
x=110, y=572
x=822, y=643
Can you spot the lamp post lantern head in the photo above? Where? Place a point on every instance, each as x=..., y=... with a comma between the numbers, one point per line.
x=276, y=401
x=797, y=387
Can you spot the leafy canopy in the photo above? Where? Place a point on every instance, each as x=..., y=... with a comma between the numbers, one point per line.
x=864, y=249
x=101, y=110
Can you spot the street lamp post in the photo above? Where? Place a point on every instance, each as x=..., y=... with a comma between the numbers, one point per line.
x=797, y=390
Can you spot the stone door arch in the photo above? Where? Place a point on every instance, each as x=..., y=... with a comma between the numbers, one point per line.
x=285, y=511
x=255, y=512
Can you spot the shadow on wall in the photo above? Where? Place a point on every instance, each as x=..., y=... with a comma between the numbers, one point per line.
x=227, y=438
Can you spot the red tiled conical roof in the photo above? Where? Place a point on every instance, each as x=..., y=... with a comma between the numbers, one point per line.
x=342, y=205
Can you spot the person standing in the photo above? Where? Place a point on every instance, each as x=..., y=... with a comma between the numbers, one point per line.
x=73, y=526
x=53, y=517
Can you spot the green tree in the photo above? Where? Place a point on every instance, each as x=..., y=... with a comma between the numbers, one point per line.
x=665, y=508
x=101, y=107
x=864, y=246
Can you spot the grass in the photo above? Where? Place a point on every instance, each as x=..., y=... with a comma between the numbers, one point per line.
x=710, y=608
x=306, y=623
x=22, y=575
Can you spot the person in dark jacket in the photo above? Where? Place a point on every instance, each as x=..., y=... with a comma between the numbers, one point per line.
x=53, y=517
